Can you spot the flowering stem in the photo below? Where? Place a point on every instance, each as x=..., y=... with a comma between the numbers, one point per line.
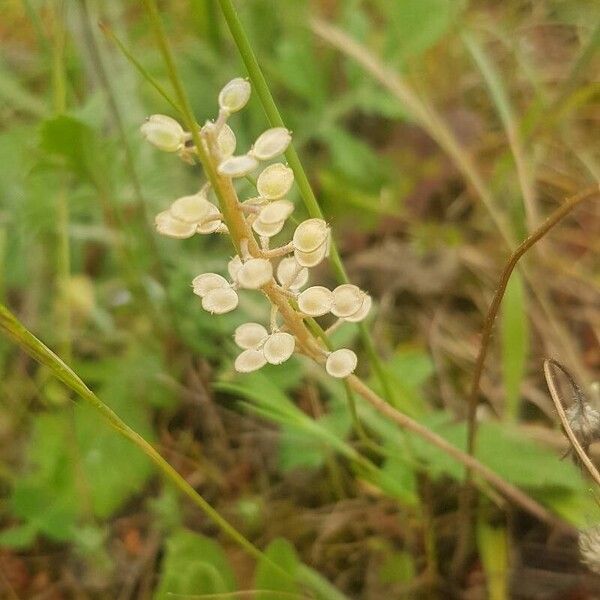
x=308, y=196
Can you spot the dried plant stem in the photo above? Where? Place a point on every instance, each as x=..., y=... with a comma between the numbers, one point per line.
x=509, y=491
x=467, y=496
x=562, y=211
x=550, y=380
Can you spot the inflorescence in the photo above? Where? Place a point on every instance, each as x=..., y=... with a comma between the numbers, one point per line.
x=252, y=223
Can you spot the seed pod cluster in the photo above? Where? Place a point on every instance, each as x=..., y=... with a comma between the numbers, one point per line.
x=281, y=272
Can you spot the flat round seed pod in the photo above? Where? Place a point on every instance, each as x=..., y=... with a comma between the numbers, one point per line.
x=249, y=360
x=341, y=363
x=279, y=347
x=275, y=181
x=278, y=210
x=238, y=166
x=163, y=132
x=271, y=143
x=347, y=300
x=220, y=301
x=267, y=229
x=226, y=141
x=191, y=209
x=311, y=259
x=290, y=274
x=362, y=312
x=209, y=224
x=167, y=224
x=310, y=235
x=250, y=335
x=206, y=282
x=315, y=301
x=234, y=95
x=255, y=273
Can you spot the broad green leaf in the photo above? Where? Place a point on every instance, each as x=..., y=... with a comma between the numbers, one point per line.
x=515, y=343
x=416, y=25
x=268, y=580
x=194, y=565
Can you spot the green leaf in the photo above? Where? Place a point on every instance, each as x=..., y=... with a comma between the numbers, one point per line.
x=18, y=537
x=75, y=144
x=515, y=343
x=267, y=580
x=194, y=564
x=416, y=25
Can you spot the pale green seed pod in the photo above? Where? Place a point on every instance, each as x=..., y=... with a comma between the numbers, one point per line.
x=267, y=229
x=249, y=360
x=271, y=143
x=279, y=347
x=234, y=95
x=362, y=312
x=255, y=273
x=347, y=300
x=250, y=335
x=226, y=141
x=287, y=269
x=209, y=224
x=238, y=166
x=275, y=181
x=234, y=266
x=220, y=301
x=206, y=282
x=315, y=301
x=164, y=133
x=276, y=211
x=167, y=224
x=191, y=209
x=311, y=259
x=310, y=235
x=341, y=363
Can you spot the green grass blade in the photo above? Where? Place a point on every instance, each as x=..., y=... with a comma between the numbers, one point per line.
x=42, y=354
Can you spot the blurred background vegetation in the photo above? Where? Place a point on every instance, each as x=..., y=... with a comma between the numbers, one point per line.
x=437, y=134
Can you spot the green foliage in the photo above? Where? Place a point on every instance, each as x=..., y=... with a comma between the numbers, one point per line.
x=268, y=581
x=515, y=343
x=194, y=564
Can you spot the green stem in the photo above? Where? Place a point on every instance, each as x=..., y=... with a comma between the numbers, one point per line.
x=308, y=196
x=41, y=353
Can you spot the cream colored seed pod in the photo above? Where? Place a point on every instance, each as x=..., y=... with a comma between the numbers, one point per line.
x=191, y=209
x=233, y=267
x=226, y=141
x=311, y=259
x=347, y=300
x=164, y=133
x=276, y=211
x=167, y=224
x=271, y=143
x=362, y=312
x=238, y=166
x=249, y=360
x=267, y=229
x=220, y=301
x=275, y=181
x=315, y=301
x=310, y=235
x=206, y=282
x=234, y=95
x=289, y=268
x=255, y=273
x=250, y=335
x=279, y=347
x=209, y=224
x=341, y=363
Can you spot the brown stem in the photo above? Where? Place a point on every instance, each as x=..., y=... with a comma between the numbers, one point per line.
x=562, y=211
x=585, y=460
x=508, y=490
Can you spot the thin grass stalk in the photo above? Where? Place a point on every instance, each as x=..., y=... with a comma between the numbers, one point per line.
x=42, y=354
